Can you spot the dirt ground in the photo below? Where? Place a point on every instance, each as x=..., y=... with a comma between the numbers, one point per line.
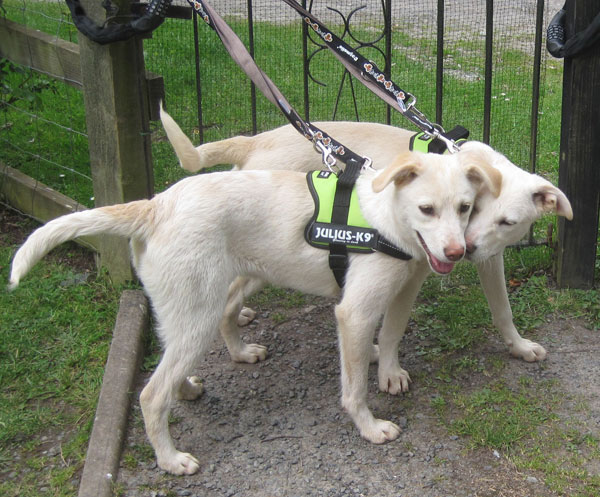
x=276, y=428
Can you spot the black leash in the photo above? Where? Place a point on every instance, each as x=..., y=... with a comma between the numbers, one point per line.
x=152, y=18
x=556, y=37
x=375, y=80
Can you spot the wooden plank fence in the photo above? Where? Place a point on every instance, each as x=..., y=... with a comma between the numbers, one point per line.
x=120, y=99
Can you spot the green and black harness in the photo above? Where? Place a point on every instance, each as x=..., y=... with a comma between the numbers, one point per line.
x=338, y=224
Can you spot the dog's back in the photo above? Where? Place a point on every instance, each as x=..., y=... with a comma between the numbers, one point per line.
x=284, y=148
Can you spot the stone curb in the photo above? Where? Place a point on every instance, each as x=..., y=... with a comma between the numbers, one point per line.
x=110, y=424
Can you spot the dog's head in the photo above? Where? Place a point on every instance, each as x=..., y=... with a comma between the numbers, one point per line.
x=431, y=198
x=502, y=218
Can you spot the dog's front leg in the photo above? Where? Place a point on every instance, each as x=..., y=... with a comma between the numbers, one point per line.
x=356, y=329
x=240, y=351
x=491, y=274
x=392, y=378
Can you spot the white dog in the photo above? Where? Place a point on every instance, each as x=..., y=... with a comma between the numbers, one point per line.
x=494, y=224
x=190, y=242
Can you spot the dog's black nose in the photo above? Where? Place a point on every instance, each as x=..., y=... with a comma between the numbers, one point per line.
x=471, y=247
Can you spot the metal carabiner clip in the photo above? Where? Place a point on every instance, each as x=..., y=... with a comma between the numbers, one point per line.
x=326, y=154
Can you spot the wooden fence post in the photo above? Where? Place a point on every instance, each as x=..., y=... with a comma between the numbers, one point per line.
x=579, y=172
x=117, y=117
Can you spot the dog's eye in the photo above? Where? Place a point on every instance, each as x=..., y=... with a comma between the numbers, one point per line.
x=427, y=210
x=464, y=208
x=506, y=222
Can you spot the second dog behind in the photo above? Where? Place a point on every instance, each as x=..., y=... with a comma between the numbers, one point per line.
x=497, y=221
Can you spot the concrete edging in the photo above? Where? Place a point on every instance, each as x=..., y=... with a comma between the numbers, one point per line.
x=110, y=423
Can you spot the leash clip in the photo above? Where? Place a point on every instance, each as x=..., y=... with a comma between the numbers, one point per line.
x=326, y=154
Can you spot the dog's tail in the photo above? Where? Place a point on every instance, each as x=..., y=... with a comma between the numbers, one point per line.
x=229, y=151
x=128, y=220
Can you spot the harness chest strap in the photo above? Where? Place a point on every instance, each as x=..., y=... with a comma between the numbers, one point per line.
x=338, y=224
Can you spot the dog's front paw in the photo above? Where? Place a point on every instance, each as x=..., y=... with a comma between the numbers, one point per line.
x=246, y=316
x=528, y=351
x=191, y=388
x=250, y=353
x=394, y=381
x=181, y=463
x=381, y=431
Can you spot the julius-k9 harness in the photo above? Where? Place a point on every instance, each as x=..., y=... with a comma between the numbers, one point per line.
x=338, y=225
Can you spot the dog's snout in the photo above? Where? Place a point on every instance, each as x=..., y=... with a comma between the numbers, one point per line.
x=454, y=252
x=471, y=247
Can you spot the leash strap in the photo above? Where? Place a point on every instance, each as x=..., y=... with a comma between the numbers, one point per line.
x=374, y=79
x=338, y=252
x=330, y=148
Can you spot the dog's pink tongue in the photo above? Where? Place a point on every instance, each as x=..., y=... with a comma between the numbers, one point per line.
x=439, y=266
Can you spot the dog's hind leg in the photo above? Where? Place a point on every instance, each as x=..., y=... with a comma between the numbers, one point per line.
x=240, y=351
x=491, y=274
x=392, y=378
x=187, y=320
x=155, y=400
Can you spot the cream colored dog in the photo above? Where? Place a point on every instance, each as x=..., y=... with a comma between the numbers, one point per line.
x=190, y=242
x=495, y=223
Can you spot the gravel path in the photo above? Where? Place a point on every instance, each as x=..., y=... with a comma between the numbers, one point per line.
x=277, y=429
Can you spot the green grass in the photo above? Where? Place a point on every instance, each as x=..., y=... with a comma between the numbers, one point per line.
x=54, y=338
x=520, y=424
x=497, y=417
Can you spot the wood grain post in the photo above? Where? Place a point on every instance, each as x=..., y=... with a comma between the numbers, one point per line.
x=579, y=171
x=117, y=117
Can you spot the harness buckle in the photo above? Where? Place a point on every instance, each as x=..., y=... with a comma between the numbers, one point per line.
x=367, y=164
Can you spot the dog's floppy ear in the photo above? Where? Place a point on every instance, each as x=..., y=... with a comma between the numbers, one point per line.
x=485, y=175
x=402, y=171
x=479, y=169
x=548, y=198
